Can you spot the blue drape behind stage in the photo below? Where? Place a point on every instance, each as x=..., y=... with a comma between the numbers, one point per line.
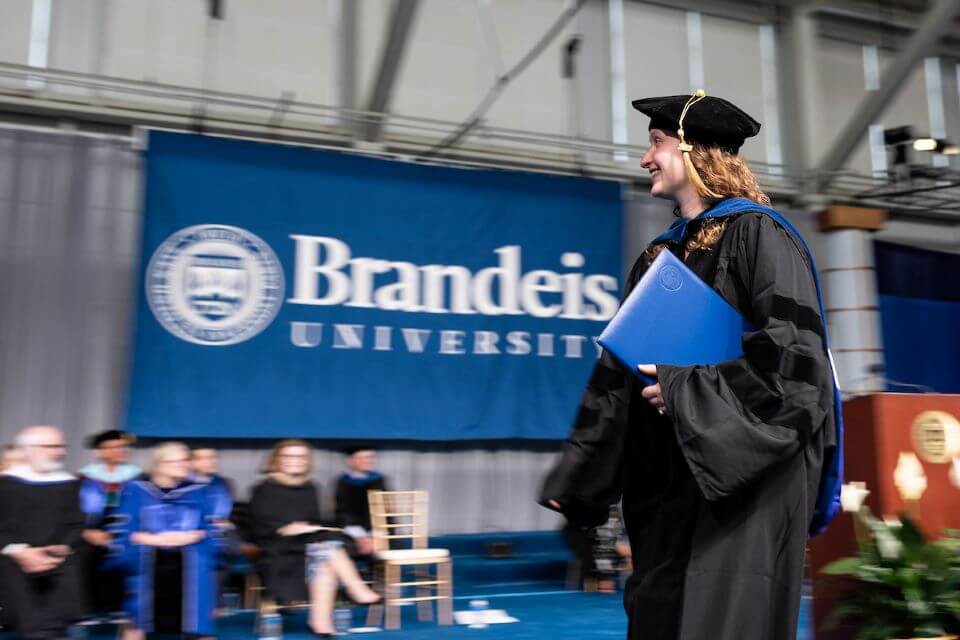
x=294, y=292
x=920, y=313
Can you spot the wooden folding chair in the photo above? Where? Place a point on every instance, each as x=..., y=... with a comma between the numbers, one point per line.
x=399, y=523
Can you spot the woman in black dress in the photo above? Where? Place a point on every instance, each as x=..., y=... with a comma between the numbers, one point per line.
x=285, y=518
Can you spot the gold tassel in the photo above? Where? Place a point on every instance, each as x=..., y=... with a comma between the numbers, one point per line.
x=702, y=190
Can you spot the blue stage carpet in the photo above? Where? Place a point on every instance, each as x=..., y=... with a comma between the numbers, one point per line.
x=554, y=614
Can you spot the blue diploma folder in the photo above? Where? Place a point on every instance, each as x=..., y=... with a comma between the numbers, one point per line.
x=673, y=317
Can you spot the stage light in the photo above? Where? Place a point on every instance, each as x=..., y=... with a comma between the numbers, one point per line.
x=937, y=145
x=897, y=135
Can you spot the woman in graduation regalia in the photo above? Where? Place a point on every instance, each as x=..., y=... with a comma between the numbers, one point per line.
x=166, y=542
x=723, y=470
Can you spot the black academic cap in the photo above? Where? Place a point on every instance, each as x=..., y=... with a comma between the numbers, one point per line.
x=354, y=448
x=709, y=121
x=98, y=439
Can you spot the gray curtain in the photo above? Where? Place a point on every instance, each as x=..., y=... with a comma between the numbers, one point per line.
x=69, y=238
x=69, y=228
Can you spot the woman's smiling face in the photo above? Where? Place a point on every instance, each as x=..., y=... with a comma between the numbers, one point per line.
x=665, y=163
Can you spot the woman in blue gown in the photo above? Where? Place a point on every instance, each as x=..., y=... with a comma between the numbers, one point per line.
x=166, y=542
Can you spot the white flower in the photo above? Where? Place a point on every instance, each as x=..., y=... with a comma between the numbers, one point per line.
x=955, y=472
x=909, y=477
x=887, y=544
x=852, y=496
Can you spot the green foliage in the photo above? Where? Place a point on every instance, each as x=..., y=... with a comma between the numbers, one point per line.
x=900, y=585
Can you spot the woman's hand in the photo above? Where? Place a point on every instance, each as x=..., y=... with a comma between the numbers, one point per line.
x=296, y=529
x=364, y=545
x=97, y=537
x=168, y=539
x=652, y=394
x=35, y=559
x=144, y=538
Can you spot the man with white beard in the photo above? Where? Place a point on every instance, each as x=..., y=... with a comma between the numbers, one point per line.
x=40, y=526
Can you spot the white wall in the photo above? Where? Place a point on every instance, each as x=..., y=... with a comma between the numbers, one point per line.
x=15, y=30
x=655, y=43
x=732, y=69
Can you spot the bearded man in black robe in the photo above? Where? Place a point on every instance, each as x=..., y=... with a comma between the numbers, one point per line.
x=40, y=529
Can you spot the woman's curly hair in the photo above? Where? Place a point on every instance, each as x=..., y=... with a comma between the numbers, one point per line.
x=727, y=175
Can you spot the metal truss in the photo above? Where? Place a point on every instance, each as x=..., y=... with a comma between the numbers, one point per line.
x=95, y=103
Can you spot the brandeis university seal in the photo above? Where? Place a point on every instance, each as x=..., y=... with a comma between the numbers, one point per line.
x=214, y=284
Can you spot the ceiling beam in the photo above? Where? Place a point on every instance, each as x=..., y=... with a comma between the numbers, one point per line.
x=938, y=21
x=401, y=21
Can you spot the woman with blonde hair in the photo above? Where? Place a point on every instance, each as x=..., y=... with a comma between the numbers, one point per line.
x=285, y=517
x=164, y=540
x=724, y=469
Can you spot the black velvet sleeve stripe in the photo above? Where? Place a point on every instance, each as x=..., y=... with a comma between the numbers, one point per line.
x=804, y=317
x=586, y=415
x=771, y=358
x=752, y=391
x=606, y=379
x=767, y=406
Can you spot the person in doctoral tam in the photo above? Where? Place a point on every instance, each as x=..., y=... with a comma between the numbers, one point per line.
x=204, y=464
x=723, y=469
x=352, y=507
x=165, y=540
x=40, y=528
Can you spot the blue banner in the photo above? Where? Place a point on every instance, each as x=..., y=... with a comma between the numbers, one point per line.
x=919, y=312
x=288, y=291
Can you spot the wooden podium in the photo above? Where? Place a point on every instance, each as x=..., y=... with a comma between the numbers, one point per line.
x=878, y=428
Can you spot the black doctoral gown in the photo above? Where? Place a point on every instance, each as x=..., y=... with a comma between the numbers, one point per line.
x=719, y=494
x=39, y=511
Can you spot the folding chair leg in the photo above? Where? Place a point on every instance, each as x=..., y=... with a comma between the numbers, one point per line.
x=375, y=615
x=393, y=573
x=424, y=607
x=252, y=590
x=574, y=575
x=375, y=612
x=445, y=591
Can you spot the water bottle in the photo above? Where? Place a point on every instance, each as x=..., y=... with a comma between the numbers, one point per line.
x=479, y=609
x=271, y=626
x=77, y=632
x=231, y=603
x=342, y=620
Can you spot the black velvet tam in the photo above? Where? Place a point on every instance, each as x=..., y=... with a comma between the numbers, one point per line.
x=98, y=439
x=710, y=121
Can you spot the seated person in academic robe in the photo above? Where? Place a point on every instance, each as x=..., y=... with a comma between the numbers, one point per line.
x=352, y=505
x=10, y=456
x=100, y=485
x=167, y=545
x=603, y=552
x=40, y=527
x=611, y=551
x=285, y=518
x=204, y=467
